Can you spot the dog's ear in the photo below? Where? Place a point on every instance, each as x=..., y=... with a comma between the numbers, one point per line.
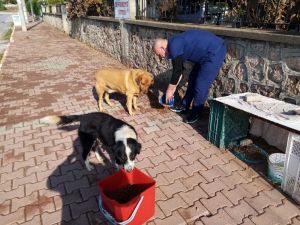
x=118, y=146
x=134, y=145
x=139, y=78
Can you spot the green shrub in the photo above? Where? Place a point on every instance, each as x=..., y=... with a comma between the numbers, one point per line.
x=2, y=7
x=36, y=6
x=55, y=2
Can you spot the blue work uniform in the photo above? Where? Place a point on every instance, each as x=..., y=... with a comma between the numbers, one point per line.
x=204, y=49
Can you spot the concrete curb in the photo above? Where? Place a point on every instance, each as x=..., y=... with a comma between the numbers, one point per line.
x=6, y=50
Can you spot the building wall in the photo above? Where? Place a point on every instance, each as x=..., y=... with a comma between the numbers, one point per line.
x=257, y=61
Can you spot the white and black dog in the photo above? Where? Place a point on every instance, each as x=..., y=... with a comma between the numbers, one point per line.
x=117, y=135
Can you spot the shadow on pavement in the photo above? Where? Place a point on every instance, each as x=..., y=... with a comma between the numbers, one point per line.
x=78, y=187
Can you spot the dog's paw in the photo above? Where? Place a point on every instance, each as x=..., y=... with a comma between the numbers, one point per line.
x=131, y=112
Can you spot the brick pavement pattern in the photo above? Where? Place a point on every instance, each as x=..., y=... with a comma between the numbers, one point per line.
x=46, y=72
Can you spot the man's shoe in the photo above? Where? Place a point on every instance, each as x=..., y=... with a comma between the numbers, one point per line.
x=185, y=112
x=191, y=119
x=177, y=109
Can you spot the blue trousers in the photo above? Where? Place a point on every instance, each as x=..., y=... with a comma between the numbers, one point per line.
x=201, y=78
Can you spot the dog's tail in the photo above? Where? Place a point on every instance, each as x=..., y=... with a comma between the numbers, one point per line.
x=60, y=120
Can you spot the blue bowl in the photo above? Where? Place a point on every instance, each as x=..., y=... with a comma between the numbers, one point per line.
x=162, y=101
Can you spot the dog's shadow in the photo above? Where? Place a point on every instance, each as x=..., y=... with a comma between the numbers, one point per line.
x=78, y=187
x=121, y=98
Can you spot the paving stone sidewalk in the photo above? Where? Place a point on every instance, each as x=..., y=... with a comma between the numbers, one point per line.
x=46, y=72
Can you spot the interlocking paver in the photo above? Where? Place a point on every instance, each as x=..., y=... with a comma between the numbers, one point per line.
x=193, y=212
x=10, y=157
x=162, y=167
x=161, y=180
x=193, y=195
x=192, y=181
x=175, y=163
x=14, y=217
x=172, y=204
x=35, y=221
x=232, y=180
x=193, y=168
x=17, y=203
x=46, y=204
x=159, y=195
x=5, y=176
x=262, y=201
x=40, y=184
x=173, y=188
x=213, y=160
x=163, y=140
x=221, y=218
x=236, y=194
x=174, y=153
x=25, y=180
x=215, y=203
x=240, y=212
x=212, y=174
x=213, y=187
x=35, y=187
x=144, y=163
x=160, y=158
x=174, y=175
x=23, y=164
x=16, y=193
x=5, y=207
x=175, y=218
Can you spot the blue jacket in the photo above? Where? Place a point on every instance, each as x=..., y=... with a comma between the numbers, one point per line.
x=193, y=45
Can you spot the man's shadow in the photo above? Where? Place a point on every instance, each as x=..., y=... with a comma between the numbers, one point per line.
x=160, y=87
x=78, y=187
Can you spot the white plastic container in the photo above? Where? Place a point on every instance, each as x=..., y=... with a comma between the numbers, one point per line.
x=276, y=167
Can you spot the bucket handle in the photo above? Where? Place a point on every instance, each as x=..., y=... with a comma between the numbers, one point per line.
x=112, y=220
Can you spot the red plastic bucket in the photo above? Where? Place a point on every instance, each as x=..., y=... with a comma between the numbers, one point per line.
x=137, y=207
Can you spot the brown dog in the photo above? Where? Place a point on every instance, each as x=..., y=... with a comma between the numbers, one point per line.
x=130, y=82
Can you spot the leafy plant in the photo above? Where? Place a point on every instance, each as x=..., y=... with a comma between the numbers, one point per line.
x=2, y=6
x=81, y=8
x=36, y=6
x=55, y=2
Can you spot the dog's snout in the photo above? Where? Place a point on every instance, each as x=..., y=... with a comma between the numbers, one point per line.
x=129, y=168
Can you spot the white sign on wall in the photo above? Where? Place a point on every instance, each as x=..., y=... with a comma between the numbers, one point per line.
x=122, y=9
x=16, y=19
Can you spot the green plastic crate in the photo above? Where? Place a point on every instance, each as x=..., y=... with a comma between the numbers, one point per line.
x=226, y=125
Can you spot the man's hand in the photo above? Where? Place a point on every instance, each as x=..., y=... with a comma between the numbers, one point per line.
x=170, y=92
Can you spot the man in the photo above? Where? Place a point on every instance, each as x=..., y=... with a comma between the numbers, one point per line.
x=207, y=52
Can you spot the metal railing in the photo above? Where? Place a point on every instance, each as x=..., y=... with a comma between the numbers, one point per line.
x=263, y=14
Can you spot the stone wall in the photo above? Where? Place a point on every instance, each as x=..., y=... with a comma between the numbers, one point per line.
x=257, y=61
x=54, y=19
x=101, y=35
